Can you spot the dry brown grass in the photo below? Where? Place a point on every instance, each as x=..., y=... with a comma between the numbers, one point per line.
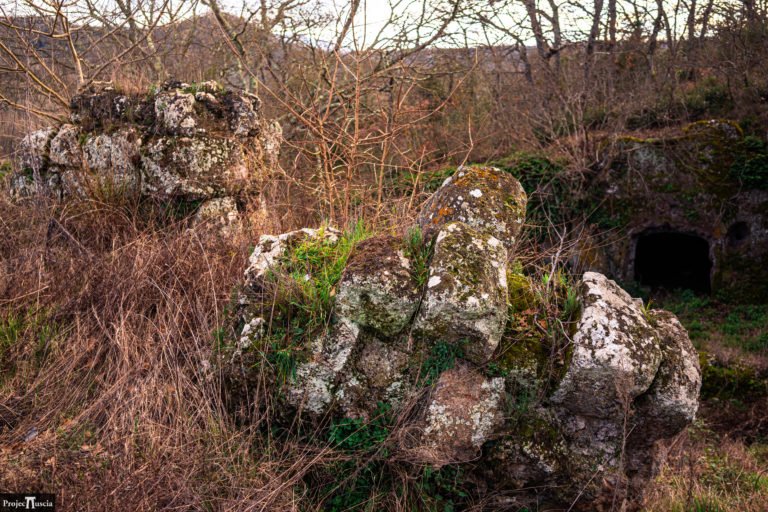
x=126, y=416
x=710, y=472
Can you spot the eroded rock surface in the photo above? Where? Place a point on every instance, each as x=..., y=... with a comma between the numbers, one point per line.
x=184, y=142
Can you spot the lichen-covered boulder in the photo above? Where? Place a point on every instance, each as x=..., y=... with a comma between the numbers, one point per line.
x=174, y=111
x=115, y=155
x=464, y=410
x=485, y=198
x=316, y=380
x=377, y=290
x=66, y=147
x=616, y=352
x=466, y=296
x=673, y=399
x=566, y=405
x=193, y=168
x=33, y=150
x=669, y=405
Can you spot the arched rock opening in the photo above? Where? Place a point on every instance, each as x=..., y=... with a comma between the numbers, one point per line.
x=671, y=259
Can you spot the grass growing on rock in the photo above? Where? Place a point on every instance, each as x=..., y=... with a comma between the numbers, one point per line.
x=297, y=298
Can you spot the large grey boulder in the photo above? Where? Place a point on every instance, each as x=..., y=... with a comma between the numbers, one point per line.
x=466, y=296
x=616, y=352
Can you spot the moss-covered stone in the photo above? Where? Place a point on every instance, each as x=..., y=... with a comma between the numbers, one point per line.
x=521, y=294
x=377, y=290
x=466, y=295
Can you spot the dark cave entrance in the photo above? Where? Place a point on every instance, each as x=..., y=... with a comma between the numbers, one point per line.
x=671, y=260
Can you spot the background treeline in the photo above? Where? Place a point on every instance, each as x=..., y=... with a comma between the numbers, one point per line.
x=368, y=108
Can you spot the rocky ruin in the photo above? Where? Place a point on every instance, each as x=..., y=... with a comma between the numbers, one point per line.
x=549, y=414
x=194, y=143
x=691, y=210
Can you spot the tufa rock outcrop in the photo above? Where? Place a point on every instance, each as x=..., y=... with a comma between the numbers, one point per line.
x=186, y=142
x=707, y=186
x=579, y=414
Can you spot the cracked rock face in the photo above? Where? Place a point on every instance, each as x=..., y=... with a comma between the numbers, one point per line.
x=377, y=290
x=672, y=399
x=466, y=296
x=485, y=198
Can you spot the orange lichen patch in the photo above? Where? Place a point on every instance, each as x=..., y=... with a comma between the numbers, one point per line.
x=475, y=174
x=443, y=212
